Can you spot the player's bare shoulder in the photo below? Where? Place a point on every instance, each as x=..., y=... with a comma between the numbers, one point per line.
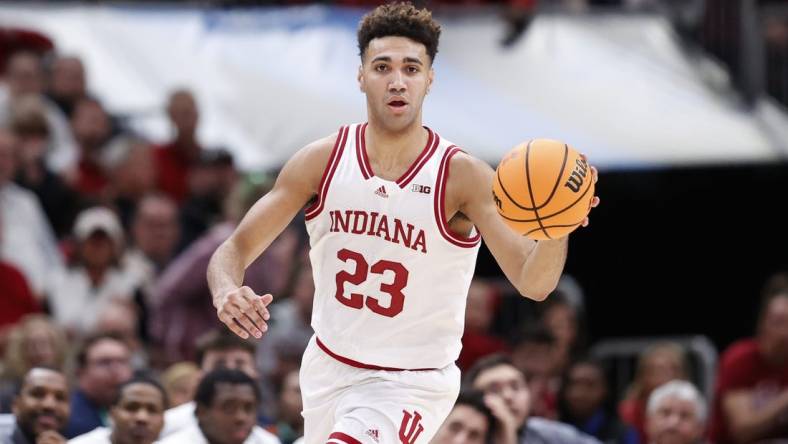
x=469, y=181
x=305, y=169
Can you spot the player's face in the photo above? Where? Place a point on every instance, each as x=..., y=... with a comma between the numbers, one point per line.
x=395, y=74
x=508, y=383
x=675, y=421
x=464, y=425
x=139, y=415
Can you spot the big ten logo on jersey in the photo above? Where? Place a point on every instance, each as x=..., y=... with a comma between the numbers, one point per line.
x=423, y=189
x=410, y=428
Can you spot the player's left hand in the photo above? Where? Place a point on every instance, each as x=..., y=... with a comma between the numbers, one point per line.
x=595, y=200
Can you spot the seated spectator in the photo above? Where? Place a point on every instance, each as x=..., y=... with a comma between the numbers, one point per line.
x=29, y=125
x=25, y=77
x=469, y=422
x=41, y=409
x=181, y=308
x=67, y=82
x=477, y=341
x=137, y=415
x=27, y=239
x=92, y=130
x=94, y=279
x=102, y=365
x=175, y=159
x=155, y=233
x=18, y=300
x=676, y=414
x=584, y=401
x=751, y=393
x=121, y=319
x=35, y=342
x=657, y=365
x=533, y=354
x=508, y=397
x=180, y=381
x=131, y=173
x=291, y=424
x=227, y=402
x=219, y=349
x=566, y=324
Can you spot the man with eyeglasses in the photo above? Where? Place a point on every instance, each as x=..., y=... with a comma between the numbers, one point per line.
x=103, y=364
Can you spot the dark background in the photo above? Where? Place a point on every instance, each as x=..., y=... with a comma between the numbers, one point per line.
x=679, y=251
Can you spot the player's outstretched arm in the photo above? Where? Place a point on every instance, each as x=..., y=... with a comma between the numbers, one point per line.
x=532, y=267
x=243, y=311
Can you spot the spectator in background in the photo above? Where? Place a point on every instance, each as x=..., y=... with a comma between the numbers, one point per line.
x=657, y=365
x=137, y=415
x=27, y=239
x=227, y=402
x=566, y=323
x=477, y=341
x=211, y=180
x=103, y=363
x=280, y=351
x=129, y=164
x=508, y=397
x=180, y=307
x=180, y=381
x=533, y=353
x=121, y=319
x=67, y=82
x=25, y=77
x=41, y=409
x=676, y=414
x=751, y=393
x=469, y=422
x=584, y=401
x=290, y=426
x=219, y=349
x=17, y=298
x=175, y=159
x=35, y=342
x=29, y=125
x=155, y=233
x=92, y=130
x=94, y=280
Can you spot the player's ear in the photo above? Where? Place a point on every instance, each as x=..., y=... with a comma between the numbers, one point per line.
x=430, y=77
x=360, y=78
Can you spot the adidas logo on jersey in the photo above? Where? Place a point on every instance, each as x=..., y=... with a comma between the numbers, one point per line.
x=381, y=191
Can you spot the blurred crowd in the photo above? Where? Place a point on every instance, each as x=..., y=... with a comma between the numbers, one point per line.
x=107, y=332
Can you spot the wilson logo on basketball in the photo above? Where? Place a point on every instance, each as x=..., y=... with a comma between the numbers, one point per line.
x=410, y=428
x=575, y=181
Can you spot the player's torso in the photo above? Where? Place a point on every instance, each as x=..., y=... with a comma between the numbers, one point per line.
x=391, y=278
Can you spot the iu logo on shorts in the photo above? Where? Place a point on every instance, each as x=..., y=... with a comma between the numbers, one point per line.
x=411, y=427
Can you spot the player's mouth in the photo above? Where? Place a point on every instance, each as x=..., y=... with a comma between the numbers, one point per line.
x=397, y=104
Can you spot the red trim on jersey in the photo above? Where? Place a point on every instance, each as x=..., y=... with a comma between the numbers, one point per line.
x=440, y=208
x=361, y=152
x=356, y=364
x=325, y=181
x=433, y=140
x=429, y=149
x=339, y=436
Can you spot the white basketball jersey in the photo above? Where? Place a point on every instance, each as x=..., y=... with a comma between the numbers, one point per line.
x=391, y=278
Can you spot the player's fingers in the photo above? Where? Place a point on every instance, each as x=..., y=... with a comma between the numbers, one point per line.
x=585, y=222
x=260, y=304
x=248, y=317
x=230, y=323
x=250, y=311
x=595, y=173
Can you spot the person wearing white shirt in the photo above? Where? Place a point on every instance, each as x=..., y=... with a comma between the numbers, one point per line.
x=137, y=415
x=226, y=412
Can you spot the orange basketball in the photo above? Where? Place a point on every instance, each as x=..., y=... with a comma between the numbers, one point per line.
x=543, y=189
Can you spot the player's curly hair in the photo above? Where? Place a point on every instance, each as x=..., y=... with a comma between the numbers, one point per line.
x=401, y=20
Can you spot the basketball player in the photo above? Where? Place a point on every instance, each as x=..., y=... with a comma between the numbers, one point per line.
x=395, y=214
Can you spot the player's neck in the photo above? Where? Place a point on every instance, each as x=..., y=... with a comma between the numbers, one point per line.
x=389, y=149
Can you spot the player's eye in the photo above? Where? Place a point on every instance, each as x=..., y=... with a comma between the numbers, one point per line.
x=413, y=69
x=381, y=68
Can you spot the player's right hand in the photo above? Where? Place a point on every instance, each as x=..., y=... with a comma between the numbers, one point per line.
x=244, y=312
